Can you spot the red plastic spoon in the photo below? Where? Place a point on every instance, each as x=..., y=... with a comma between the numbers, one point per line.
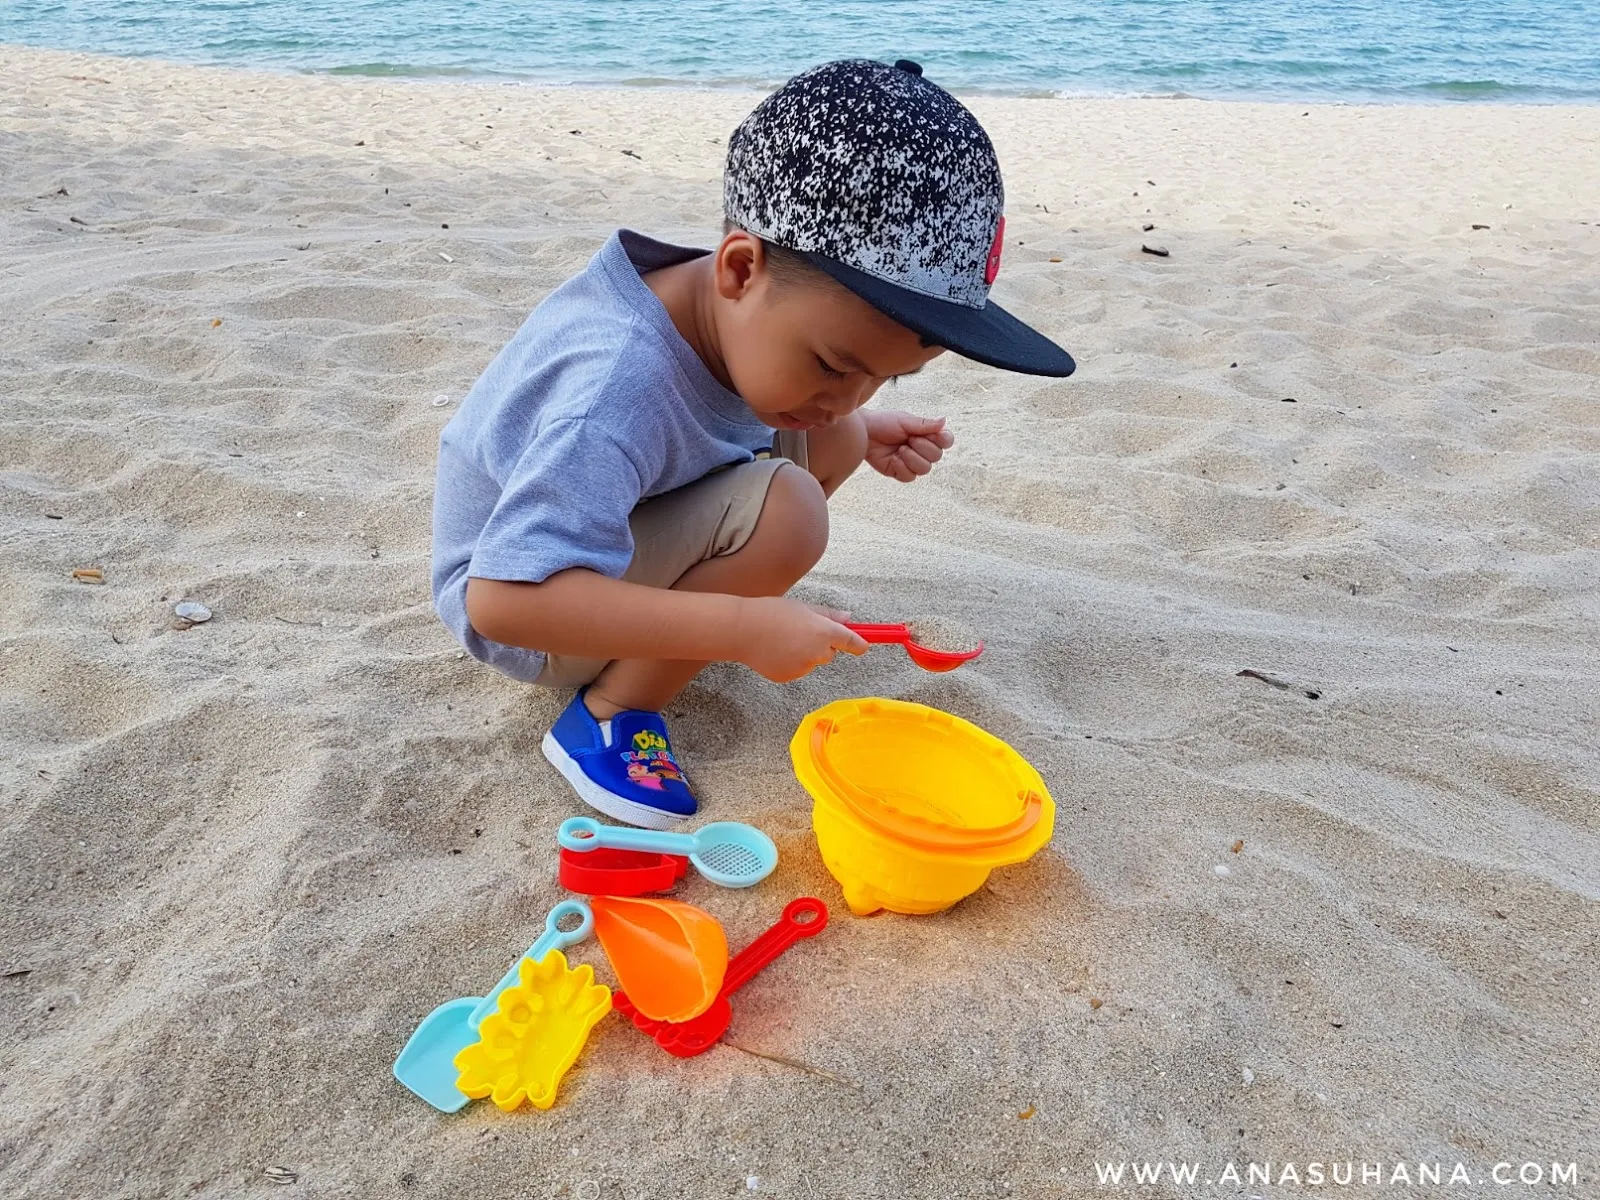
x=928, y=660
x=803, y=918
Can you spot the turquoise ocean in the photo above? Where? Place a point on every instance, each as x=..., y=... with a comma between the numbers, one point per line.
x=1535, y=51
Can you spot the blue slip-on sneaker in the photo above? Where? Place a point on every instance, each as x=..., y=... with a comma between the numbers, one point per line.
x=624, y=767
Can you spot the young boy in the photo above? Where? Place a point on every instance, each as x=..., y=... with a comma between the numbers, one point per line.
x=643, y=471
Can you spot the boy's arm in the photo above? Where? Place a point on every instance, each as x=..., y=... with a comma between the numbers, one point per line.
x=562, y=518
x=903, y=446
x=584, y=614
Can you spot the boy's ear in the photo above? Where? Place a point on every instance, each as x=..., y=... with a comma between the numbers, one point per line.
x=738, y=263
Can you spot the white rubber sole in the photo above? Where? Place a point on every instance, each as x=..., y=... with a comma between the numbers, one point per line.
x=597, y=797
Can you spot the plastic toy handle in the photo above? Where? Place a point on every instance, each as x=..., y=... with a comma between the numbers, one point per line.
x=556, y=938
x=802, y=918
x=553, y=938
x=585, y=833
x=882, y=635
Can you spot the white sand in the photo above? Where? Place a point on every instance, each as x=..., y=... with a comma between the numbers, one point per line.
x=239, y=862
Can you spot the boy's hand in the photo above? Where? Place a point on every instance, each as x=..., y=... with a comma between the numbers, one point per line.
x=902, y=446
x=784, y=639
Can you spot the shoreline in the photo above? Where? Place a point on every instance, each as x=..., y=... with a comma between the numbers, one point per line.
x=757, y=87
x=1484, y=178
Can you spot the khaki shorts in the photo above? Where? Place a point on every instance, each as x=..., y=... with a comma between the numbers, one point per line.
x=672, y=532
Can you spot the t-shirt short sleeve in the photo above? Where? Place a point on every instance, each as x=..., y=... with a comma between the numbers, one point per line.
x=565, y=503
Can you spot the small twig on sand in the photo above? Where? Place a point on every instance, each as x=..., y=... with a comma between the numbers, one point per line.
x=1247, y=673
x=1267, y=679
x=291, y=621
x=795, y=1063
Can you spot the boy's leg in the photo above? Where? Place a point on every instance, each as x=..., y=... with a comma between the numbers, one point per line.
x=738, y=534
x=751, y=530
x=833, y=454
x=789, y=538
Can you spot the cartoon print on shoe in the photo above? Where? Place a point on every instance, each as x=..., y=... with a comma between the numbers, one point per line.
x=624, y=767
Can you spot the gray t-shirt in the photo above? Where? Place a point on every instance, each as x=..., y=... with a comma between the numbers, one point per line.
x=596, y=403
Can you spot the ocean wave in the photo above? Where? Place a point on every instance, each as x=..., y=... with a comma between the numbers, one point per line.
x=402, y=70
x=1426, y=51
x=1475, y=89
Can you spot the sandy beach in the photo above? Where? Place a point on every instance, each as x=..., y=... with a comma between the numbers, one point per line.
x=1346, y=434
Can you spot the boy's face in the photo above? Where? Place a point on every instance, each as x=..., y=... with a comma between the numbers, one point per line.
x=803, y=353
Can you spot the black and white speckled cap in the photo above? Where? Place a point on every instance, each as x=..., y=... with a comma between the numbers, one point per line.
x=886, y=182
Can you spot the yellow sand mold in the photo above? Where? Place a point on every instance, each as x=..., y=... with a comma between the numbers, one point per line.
x=535, y=1034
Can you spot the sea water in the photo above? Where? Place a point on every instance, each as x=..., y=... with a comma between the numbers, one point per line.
x=1370, y=50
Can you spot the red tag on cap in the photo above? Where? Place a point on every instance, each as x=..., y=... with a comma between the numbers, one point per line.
x=992, y=267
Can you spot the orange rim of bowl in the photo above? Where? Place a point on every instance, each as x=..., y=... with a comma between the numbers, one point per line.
x=920, y=832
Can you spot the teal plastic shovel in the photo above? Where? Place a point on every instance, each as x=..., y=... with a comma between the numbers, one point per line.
x=427, y=1064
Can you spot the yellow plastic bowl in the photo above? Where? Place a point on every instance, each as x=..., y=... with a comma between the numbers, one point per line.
x=914, y=807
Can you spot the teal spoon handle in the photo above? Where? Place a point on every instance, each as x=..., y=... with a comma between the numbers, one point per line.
x=585, y=833
x=553, y=938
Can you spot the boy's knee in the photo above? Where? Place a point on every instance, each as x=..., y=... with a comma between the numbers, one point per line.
x=794, y=520
x=837, y=451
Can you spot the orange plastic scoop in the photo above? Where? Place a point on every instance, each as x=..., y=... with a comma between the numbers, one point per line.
x=925, y=657
x=803, y=918
x=671, y=957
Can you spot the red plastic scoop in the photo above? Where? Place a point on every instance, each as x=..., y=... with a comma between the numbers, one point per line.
x=803, y=918
x=926, y=658
x=607, y=872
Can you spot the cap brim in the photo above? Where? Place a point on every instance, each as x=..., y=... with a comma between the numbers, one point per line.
x=988, y=335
